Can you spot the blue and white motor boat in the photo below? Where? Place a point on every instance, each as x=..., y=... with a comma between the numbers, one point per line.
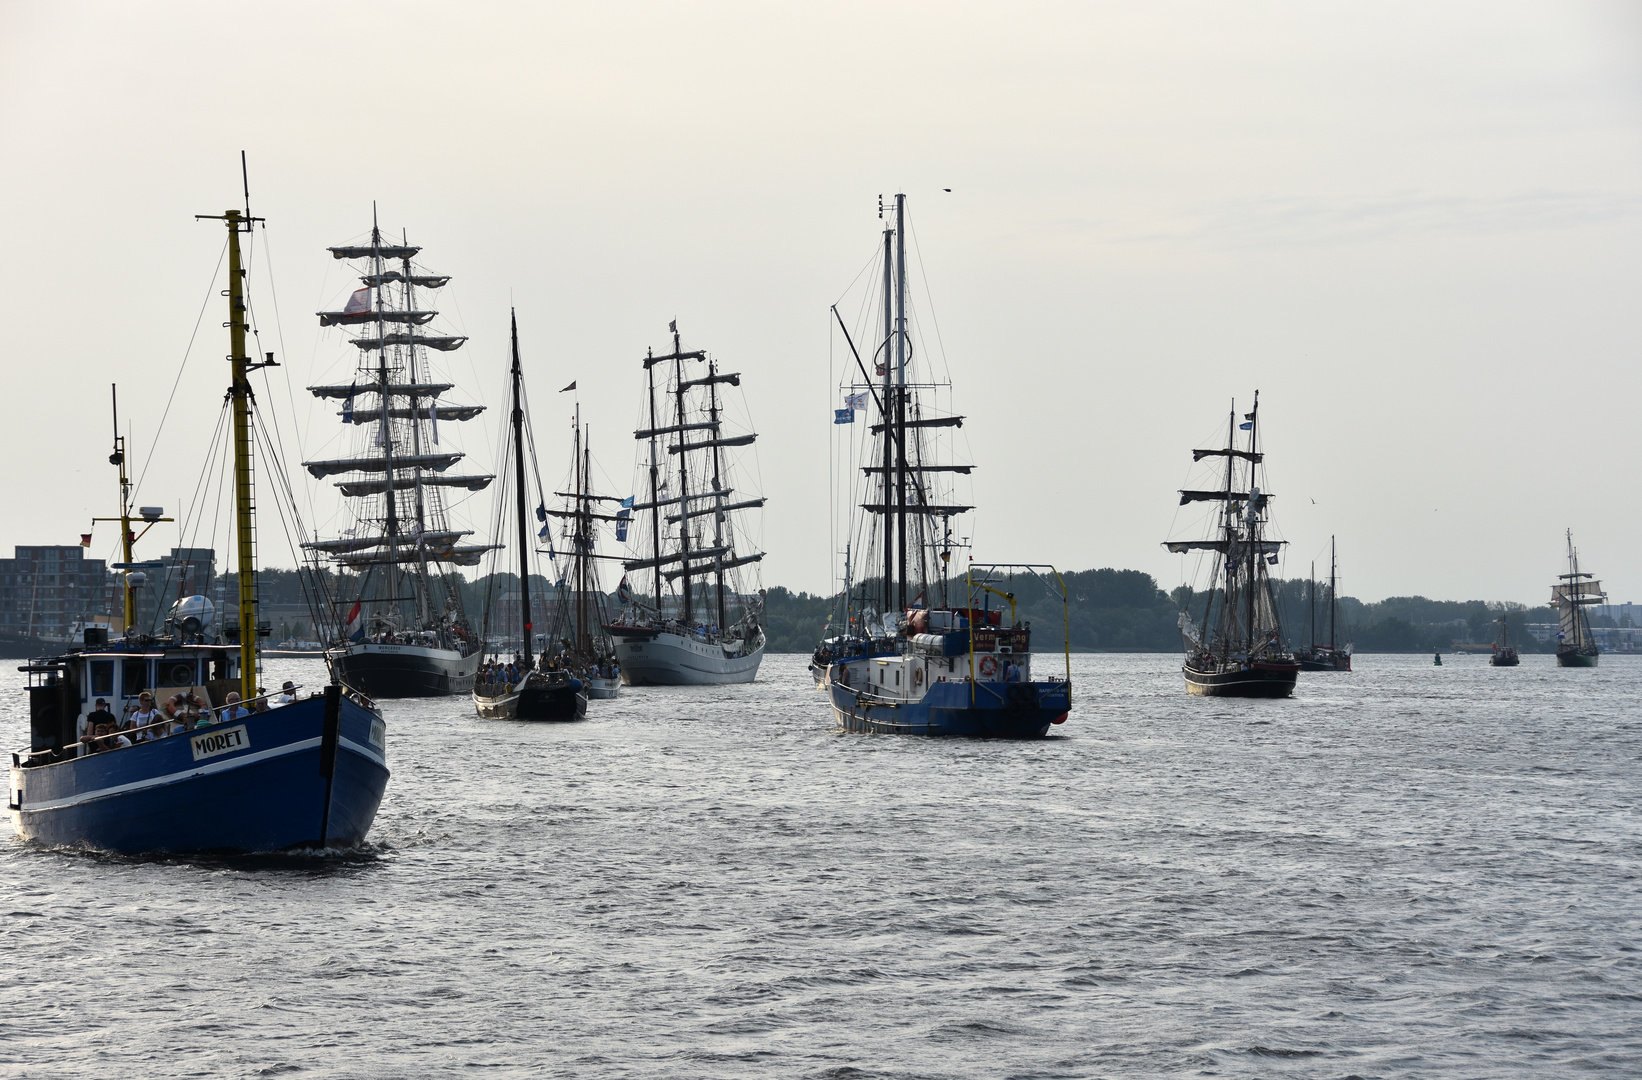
x=233, y=769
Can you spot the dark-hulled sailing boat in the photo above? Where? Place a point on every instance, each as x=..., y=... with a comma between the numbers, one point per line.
x=1575, y=591
x=402, y=628
x=525, y=693
x=1505, y=653
x=1330, y=657
x=1238, y=652
x=584, y=646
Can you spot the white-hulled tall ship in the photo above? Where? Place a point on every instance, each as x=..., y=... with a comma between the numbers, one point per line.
x=1236, y=648
x=1574, y=592
x=401, y=630
x=697, y=623
x=922, y=654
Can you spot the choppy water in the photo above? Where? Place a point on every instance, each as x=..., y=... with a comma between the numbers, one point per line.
x=1407, y=871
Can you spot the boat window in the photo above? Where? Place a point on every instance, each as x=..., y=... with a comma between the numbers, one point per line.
x=219, y=666
x=133, y=677
x=102, y=678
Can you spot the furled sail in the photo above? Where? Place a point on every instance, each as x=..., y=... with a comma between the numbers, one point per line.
x=366, y=251
x=750, y=504
x=677, y=556
x=1199, y=455
x=436, y=462
x=357, y=488
x=423, y=412
x=709, y=567
x=406, y=389
x=351, y=318
x=927, y=422
x=694, y=496
x=916, y=508
x=455, y=554
x=1220, y=496
x=731, y=377
x=388, y=277
x=443, y=344
x=708, y=444
x=345, y=544
x=1180, y=547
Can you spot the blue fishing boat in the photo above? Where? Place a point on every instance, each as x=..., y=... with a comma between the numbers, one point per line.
x=221, y=765
x=913, y=658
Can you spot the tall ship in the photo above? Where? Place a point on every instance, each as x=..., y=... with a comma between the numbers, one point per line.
x=1235, y=648
x=400, y=628
x=1329, y=657
x=688, y=617
x=585, y=647
x=166, y=743
x=1571, y=595
x=516, y=690
x=924, y=651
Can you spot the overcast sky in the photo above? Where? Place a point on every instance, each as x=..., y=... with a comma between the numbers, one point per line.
x=1416, y=228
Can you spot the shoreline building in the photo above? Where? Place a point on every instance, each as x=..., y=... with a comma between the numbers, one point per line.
x=46, y=589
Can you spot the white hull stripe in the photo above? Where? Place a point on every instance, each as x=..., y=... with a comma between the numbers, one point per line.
x=204, y=770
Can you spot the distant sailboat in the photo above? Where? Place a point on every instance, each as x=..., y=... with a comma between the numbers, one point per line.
x=1576, y=591
x=1505, y=653
x=1330, y=657
x=1239, y=651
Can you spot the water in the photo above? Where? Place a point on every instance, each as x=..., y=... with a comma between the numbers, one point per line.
x=1406, y=871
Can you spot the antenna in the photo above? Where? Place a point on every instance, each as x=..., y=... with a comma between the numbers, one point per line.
x=245, y=180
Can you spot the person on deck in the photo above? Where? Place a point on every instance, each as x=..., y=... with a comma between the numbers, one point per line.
x=287, y=694
x=99, y=715
x=234, y=710
x=145, y=715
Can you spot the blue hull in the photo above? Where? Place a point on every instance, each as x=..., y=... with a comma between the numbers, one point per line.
x=262, y=789
x=998, y=710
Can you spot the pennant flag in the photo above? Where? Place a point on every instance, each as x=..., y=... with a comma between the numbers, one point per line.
x=1272, y=559
x=356, y=624
x=1247, y=425
x=623, y=594
x=547, y=529
x=843, y=416
x=672, y=327
x=433, y=414
x=347, y=406
x=856, y=401
x=359, y=303
x=569, y=388
x=85, y=540
x=541, y=512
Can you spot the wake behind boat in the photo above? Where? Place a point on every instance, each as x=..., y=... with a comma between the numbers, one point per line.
x=195, y=758
x=1239, y=651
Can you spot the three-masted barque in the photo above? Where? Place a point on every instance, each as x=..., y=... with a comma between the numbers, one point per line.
x=1236, y=647
x=698, y=622
x=401, y=629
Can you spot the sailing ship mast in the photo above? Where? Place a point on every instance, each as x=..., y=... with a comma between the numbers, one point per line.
x=519, y=494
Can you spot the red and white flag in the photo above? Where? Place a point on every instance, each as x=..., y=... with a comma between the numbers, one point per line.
x=359, y=302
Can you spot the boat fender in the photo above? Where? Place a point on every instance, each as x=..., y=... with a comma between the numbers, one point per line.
x=1061, y=719
x=989, y=666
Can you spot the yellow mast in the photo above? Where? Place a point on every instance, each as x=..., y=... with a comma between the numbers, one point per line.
x=240, y=394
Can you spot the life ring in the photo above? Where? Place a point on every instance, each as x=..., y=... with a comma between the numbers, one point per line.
x=989, y=666
x=917, y=676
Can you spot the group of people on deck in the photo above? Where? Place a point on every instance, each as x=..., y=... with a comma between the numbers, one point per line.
x=185, y=711
x=496, y=675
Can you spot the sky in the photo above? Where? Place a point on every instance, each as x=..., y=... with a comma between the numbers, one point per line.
x=1415, y=228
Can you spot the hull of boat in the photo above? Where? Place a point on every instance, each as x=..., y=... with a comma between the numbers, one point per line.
x=533, y=703
x=951, y=709
x=1324, y=660
x=255, y=784
x=666, y=659
x=400, y=671
x=1262, y=680
x=602, y=689
x=1575, y=658
x=1505, y=658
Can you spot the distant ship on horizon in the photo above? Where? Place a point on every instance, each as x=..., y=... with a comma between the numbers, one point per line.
x=1575, y=591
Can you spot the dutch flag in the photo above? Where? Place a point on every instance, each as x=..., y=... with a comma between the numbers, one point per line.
x=356, y=624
